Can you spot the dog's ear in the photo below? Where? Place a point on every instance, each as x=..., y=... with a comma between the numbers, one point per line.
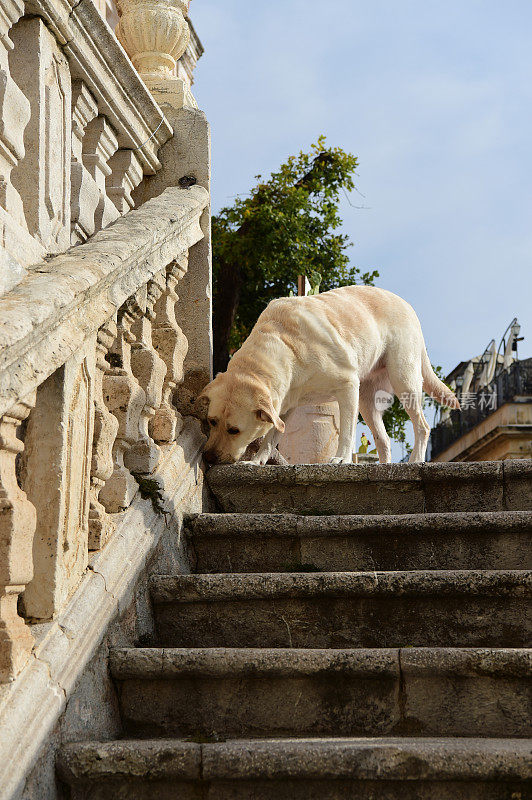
x=201, y=405
x=267, y=413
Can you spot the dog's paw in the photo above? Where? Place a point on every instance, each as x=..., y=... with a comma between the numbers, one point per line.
x=340, y=460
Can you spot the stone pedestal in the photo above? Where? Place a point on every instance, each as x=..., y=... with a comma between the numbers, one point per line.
x=311, y=435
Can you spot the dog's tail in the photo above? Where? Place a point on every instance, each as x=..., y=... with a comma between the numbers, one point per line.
x=434, y=387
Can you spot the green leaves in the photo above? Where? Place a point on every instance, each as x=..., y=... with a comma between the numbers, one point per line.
x=287, y=226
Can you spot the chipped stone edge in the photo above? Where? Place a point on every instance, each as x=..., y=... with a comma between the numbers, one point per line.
x=60, y=304
x=31, y=706
x=377, y=758
x=393, y=474
x=283, y=525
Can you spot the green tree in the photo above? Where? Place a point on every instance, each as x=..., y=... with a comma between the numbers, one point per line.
x=289, y=225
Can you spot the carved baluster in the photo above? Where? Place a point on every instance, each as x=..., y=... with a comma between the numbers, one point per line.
x=125, y=399
x=42, y=177
x=17, y=526
x=101, y=525
x=150, y=371
x=126, y=174
x=15, y=113
x=172, y=345
x=85, y=194
x=99, y=144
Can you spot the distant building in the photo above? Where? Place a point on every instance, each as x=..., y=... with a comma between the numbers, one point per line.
x=495, y=422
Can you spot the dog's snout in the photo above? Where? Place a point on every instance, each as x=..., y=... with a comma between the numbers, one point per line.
x=210, y=456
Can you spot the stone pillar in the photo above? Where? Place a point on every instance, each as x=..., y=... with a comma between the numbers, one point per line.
x=56, y=477
x=125, y=400
x=17, y=527
x=100, y=143
x=15, y=112
x=17, y=248
x=150, y=370
x=155, y=35
x=311, y=434
x=101, y=525
x=85, y=194
x=188, y=154
x=42, y=177
x=171, y=345
x=126, y=174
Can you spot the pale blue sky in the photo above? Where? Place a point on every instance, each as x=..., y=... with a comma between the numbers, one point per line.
x=436, y=101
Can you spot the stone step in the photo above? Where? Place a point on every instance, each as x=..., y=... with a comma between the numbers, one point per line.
x=283, y=542
x=221, y=693
x=465, y=608
x=304, y=769
x=374, y=489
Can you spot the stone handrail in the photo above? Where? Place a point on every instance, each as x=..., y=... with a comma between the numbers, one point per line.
x=58, y=305
x=90, y=354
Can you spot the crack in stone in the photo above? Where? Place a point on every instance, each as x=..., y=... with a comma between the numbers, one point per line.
x=401, y=694
x=55, y=684
x=96, y=572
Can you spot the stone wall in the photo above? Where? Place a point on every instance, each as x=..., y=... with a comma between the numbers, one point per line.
x=104, y=334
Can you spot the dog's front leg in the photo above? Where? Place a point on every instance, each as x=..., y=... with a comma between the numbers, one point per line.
x=271, y=441
x=347, y=398
x=265, y=450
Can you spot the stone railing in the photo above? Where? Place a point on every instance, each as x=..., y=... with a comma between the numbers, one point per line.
x=98, y=247
x=78, y=132
x=91, y=353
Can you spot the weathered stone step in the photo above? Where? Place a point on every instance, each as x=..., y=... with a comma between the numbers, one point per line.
x=305, y=769
x=224, y=692
x=465, y=608
x=374, y=489
x=280, y=542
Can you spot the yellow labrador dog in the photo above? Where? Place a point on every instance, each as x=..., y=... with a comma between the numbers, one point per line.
x=346, y=344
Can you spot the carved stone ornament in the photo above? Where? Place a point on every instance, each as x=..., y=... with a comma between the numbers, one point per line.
x=125, y=399
x=149, y=370
x=101, y=525
x=17, y=526
x=154, y=34
x=171, y=344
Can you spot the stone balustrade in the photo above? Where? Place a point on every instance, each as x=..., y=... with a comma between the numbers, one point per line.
x=91, y=351
x=90, y=355
x=105, y=343
x=79, y=130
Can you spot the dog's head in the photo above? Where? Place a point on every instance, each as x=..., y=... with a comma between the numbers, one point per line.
x=239, y=411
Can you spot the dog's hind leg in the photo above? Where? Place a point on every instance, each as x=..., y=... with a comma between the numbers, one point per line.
x=373, y=419
x=347, y=397
x=407, y=383
x=421, y=432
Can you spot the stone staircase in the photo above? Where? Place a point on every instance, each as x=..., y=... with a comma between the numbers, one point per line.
x=348, y=633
